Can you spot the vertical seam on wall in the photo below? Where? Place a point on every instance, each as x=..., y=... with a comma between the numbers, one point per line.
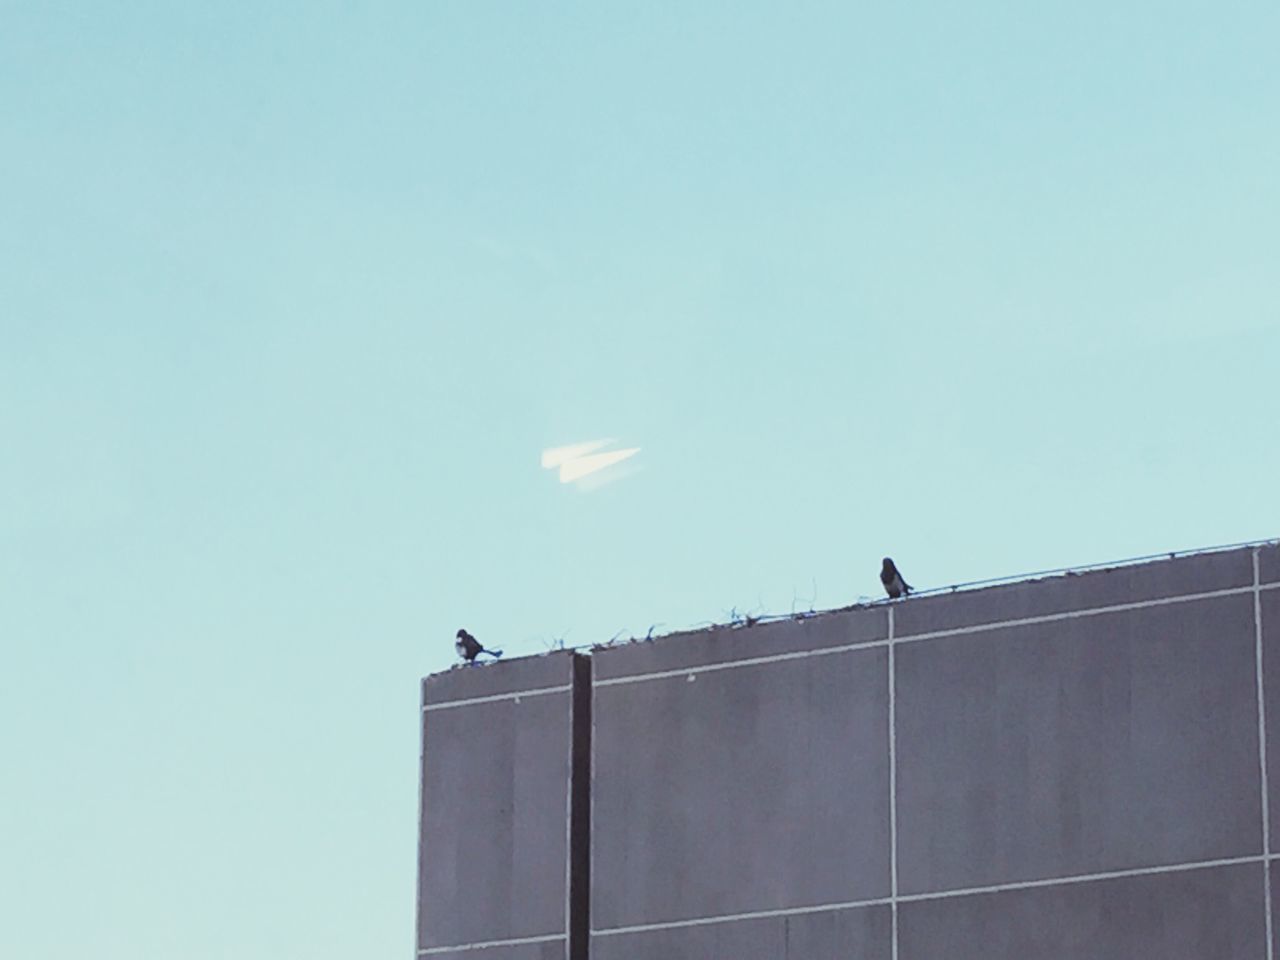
x=568, y=815
x=422, y=812
x=579, y=932
x=893, y=794
x=591, y=790
x=1262, y=752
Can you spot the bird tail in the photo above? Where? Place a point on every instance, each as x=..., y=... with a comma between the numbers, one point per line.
x=493, y=653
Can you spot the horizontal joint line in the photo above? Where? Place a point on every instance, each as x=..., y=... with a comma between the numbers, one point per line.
x=1073, y=614
x=1081, y=878
x=731, y=917
x=940, y=895
x=517, y=941
x=935, y=634
x=747, y=662
x=498, y=696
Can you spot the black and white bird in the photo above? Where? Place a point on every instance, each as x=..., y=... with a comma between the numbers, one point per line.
x=469, y=648
x=894, y=585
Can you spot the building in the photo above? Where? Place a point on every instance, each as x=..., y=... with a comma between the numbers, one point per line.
x=1075, y=766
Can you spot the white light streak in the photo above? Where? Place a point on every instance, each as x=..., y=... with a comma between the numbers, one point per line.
x=581, y=467
x=553, y=457
x=577, y=461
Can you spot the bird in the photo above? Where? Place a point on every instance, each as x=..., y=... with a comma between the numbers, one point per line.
x=894, y=585
x=469, y=648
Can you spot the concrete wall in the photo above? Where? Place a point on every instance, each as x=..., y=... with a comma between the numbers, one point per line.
x=496, y=843
x=1064, y=768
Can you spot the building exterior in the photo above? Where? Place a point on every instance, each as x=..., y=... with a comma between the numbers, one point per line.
x=1070, y=767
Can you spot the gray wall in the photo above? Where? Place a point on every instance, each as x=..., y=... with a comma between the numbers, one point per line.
x=1065, y=768
x=494, y=847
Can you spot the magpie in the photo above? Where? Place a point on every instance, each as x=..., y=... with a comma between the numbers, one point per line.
x=469, y=648
x=894, y=585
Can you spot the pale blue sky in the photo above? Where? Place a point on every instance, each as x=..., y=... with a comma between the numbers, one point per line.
x=293, y=294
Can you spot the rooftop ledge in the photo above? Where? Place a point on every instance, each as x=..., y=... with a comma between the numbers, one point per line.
x=964, y=607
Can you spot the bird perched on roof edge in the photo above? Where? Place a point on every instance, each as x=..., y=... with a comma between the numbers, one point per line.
x=894, y=585
x=469, y=647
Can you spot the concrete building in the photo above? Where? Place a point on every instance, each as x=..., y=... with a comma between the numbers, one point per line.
x=1070, y=767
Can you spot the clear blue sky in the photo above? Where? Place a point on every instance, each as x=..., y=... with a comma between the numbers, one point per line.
x=293, y=294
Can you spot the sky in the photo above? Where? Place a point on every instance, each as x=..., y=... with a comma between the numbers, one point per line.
x=294, y=295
